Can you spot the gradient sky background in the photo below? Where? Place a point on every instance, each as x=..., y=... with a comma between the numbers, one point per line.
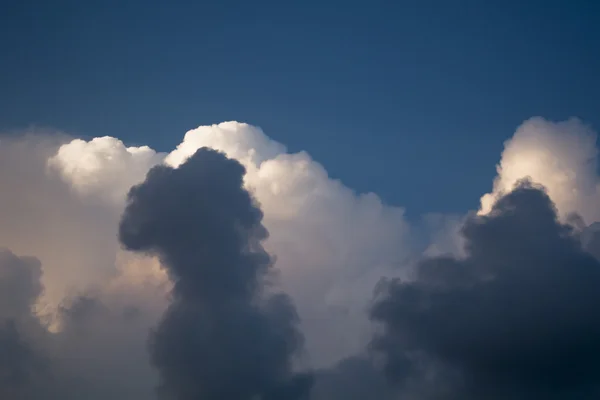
x=409, y=99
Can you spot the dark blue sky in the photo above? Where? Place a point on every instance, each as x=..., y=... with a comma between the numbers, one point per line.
x=410, y=99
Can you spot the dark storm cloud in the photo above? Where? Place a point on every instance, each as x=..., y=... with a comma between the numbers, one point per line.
x=21, y=363
x=79, y=309
x=354, y=378
x=591, y=239
x=223, y=337
x=20, y=284
x=518, y=318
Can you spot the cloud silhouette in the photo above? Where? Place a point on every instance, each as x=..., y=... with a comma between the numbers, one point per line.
x=516, y=318
x=227, y=334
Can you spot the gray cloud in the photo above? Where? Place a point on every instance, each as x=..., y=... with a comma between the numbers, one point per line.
x=354, y=378
x=517, y=318
x=503, y=307
x=20, y=284
x=22, y=364
x=225, y=335
x=590, y=238
x=94, y=355
x=79, y=361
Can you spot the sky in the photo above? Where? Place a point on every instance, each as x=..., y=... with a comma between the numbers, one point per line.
x=259, y=201
x=397, y=84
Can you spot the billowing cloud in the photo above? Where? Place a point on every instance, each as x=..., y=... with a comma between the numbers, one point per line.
x=561, y=156
x=103, y=167
x=98, y=353
x=74, y=241
x=224, y=335
x=324, y=236
x=517, y=318
x=95, y=302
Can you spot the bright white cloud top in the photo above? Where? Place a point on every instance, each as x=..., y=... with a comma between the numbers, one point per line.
x=562, y=156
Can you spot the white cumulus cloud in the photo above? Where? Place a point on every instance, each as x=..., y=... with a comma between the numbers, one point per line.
x=562, y=156
x=103, y=166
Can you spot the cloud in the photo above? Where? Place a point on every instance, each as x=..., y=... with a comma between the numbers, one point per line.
x=95, y=303
x=353, y=378
x=74, y=241
x=98, y=353
x=103, y=167
x=444, y=235
x=101, y=350
x=561, y=156
x=20, y=284
x=20, y=361
x=323, y=235
x=224, y=336
x=516, y=318
x=590, y=237
x=69, y=223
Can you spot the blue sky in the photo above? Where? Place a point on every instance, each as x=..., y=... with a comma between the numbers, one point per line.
x=409, y=99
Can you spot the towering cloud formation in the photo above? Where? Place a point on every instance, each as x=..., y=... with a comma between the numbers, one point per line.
x=223, y=336
x=480, y=282
x=325, y=237
x=518, y=318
